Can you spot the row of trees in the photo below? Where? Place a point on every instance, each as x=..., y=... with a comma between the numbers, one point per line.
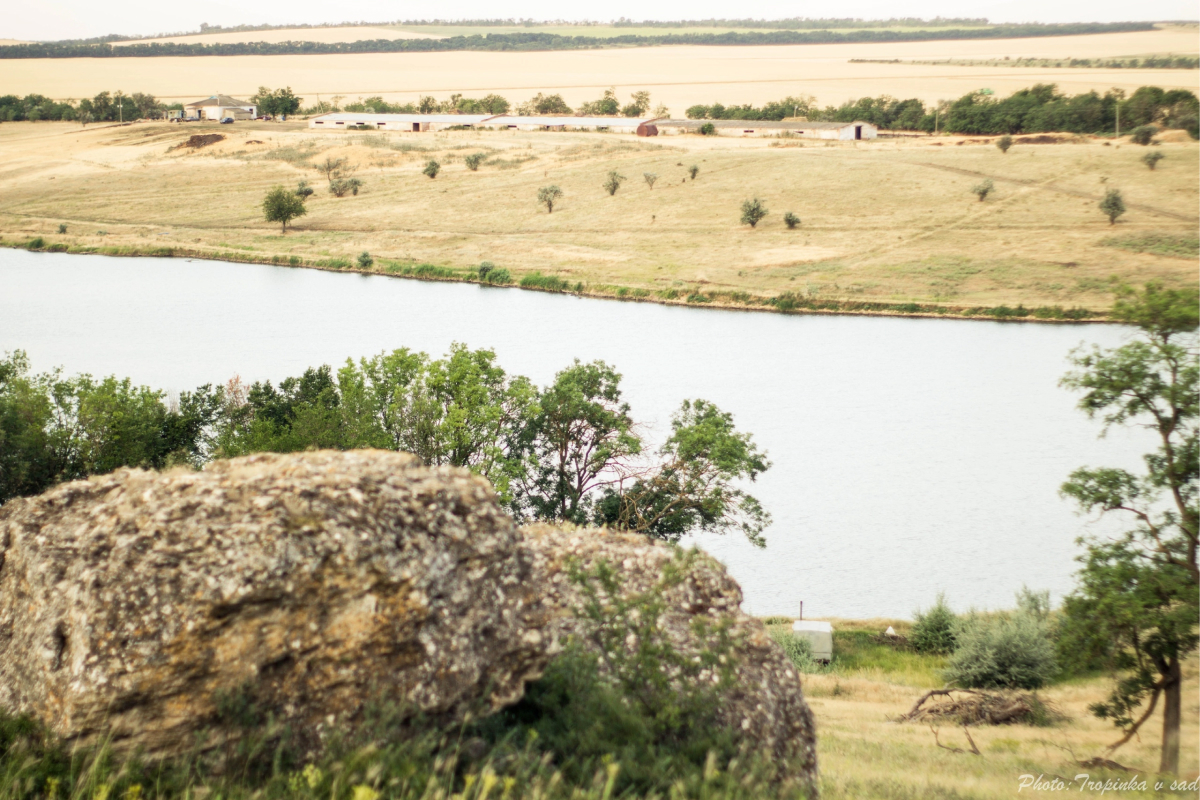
x=532, y=41
x=570, y=451
x=104, y=107
x=1037, y=109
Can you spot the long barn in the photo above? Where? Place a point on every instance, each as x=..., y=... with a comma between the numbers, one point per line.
x=840, y=131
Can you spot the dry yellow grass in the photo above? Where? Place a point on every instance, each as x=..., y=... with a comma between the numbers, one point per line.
x=348, y=33
x=889, y=221
x=678, y=76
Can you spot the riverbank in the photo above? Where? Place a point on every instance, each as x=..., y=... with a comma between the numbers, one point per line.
x=886, y=227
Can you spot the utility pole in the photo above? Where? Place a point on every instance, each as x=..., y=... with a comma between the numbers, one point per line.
x=121, y=107
x=1118, y=119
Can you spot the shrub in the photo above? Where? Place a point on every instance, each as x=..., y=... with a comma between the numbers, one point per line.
x=1143, y=134
x=62, y=227
x=1005, y=651
x=798, y=650
x=934, y=630
x=536, y=280
x=613, y=182
x=432, y=168
x=1004, y=142
x=708, y=129
x=282, y=206
x=340, y=187
x=37, y=243
x=303, y=190
x=1113, y=205
x=365, y=261
x=474, y=160
x=547, y=196
x=499, y=277
x=1150, y=159
x=693, y=171
x=983, y=189
x=791, y=220
x=649, y=178
x=484, y=269
x=753, y=212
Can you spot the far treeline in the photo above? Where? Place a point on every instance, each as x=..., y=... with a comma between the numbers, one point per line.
x=548, y=41
x=1039, y=109
x=568, y=452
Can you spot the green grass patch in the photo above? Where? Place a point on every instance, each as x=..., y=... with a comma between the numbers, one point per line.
x=549, y=283
x=1159, y=244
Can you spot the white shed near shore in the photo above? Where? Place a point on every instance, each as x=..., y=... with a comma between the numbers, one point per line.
x=396, y=122
x=819, y=636
x=785, y=129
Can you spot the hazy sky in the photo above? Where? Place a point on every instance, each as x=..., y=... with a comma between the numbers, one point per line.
x=60, y=19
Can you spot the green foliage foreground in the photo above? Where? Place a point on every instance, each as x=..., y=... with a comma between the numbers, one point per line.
x=569, y=452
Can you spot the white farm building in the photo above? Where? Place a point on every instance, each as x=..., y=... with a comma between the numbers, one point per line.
x=642, y=126
x=840, y=131
x=219, y=107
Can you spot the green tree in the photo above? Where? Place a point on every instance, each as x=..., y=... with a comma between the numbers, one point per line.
x=303, y=190
x=983, y=189
x=1004, y=142
x=582, y=439
x=1136, y=606
x=340, y=187
x=708, y=129
x=935, y=630
x=693, y=171
x=474, y=160
x=638, y=106
x=333, y=168
x=432, y=168
x=649, y=178
x=1007, y=650
x=791, y=220
x=1152, y=158
x=613, y=182
x=753, y=212
x=1113, y=205
x=365, y=261
x=1143, y=134
x=282, y=206
x=694, y=488
x=548, y=196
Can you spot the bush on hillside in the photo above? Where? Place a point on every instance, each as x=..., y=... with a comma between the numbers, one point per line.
x=474, y=160
x=791, y=220
x=934, y=630
x=1113, y=205
x=432, y=168
x=983, y=189
x=753, y=212
x=340, y=187
x=1143, y=134
x=365, y=261
x=1004, y=142
x=1152, y=158
x=1005, y=651
x=613, y=182
x=693, y=171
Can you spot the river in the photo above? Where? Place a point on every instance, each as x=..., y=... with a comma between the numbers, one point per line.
x=910, y=456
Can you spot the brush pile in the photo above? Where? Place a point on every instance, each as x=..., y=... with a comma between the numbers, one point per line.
x=970, y=707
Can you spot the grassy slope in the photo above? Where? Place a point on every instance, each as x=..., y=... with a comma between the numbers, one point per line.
x=886, y=221
x=864, y=756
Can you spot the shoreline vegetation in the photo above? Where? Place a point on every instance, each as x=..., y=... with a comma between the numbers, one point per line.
x=788, y=303
x=532, y=41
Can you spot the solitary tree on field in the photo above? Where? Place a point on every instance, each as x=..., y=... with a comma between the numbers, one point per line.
x=753, y=212
x=791, y=220
x=303, y=190
x=1004, y=142
x=983, y=189
x=365, y=261
x=613, y=182
x=333, y=167
x=432, y=168
x=547, y=196
x=1135, y=609
x=693, y=171
x=473, y=161
x=649, y=178
x=1113, y=205
x=283, y=206
x=1152, y=158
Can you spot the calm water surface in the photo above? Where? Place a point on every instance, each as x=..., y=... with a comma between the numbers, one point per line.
x=910, y=456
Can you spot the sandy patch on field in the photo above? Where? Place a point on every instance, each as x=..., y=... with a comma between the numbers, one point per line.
x=347, y=34
x=678, y=76
x=782, y=256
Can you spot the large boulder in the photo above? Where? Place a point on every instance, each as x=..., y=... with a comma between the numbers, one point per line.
x=131, y=603
x=765, y=702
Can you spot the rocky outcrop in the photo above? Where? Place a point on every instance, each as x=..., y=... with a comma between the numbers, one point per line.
x=765, y=702
x=315, y=583
x=131, y=603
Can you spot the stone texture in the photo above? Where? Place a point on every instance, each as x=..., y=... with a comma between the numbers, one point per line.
x=130, y=601
x=767, y=704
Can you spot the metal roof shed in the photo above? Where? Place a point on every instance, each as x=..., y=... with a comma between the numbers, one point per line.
x=396, y=122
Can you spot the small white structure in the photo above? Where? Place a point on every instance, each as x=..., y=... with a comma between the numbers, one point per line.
x=819, y=636
x=414, y=123
x=219, y=107
x=838, y=131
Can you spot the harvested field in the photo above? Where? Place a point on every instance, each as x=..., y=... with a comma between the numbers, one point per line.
x=349, y=33
x=889, y=221
x=678, y=76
